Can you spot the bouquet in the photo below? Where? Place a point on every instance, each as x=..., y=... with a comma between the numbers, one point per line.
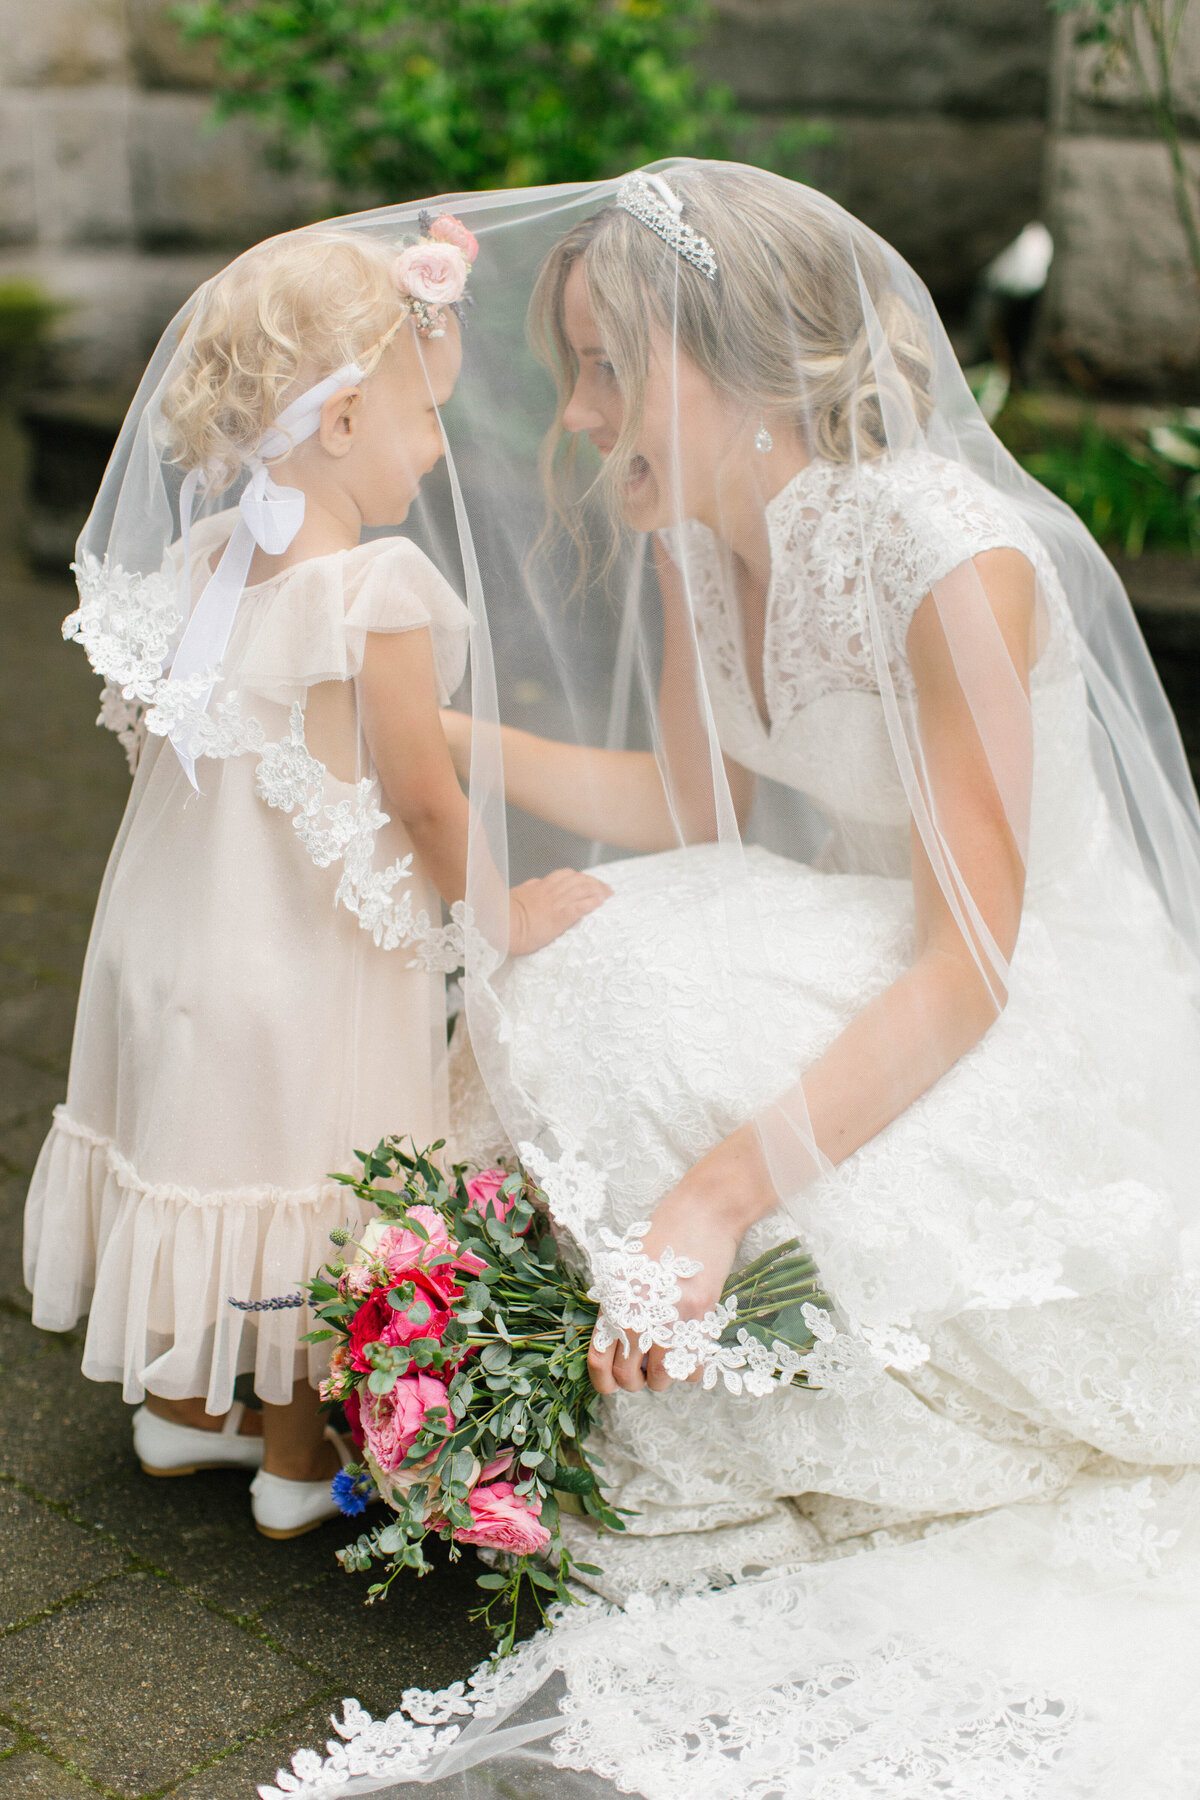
x=460, y=1359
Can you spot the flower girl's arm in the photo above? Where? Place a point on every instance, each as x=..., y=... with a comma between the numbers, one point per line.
x=398, y=698
x=906, y=1039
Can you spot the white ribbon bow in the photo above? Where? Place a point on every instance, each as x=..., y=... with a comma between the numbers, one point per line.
x=269, y=518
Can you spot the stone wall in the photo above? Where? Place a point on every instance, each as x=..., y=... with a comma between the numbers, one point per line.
x=937, y=110
x=116, y=190
x=119, y=194
x=1123, y=307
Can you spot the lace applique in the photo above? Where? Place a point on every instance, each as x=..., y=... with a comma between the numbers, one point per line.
x=409, y=1739
x=575, y=1190
x=639, y=1296
x=853, y=1729
x=1106, y=1527
x=125, y=623
x=178, y=710
x=126, y=719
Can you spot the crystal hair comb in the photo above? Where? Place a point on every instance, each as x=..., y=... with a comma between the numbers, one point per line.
x=653, y=202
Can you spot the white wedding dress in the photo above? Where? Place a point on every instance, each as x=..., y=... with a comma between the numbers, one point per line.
x=968, y=1567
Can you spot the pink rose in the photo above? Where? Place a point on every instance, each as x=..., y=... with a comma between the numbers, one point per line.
x=403, y=1251
x=503, y=1521
x=484, y=1196
x=391, y=1422
x=435, y=273
x=449, y=230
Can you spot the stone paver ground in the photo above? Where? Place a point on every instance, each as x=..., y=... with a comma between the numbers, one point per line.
x=151, y=1642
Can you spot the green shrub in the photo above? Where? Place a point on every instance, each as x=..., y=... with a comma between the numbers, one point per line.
x=26, y=316
x=1134, y=491
x=395, y=98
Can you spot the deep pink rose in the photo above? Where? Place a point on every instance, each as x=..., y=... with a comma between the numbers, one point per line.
x=503, y=1521
x=391, y=1422
x=449, y=230
x=484, y=1196
x=433, y=272
x=376, y=1322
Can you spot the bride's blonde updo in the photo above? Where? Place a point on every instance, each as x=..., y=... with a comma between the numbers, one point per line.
x=783, y=328
x=279, y=319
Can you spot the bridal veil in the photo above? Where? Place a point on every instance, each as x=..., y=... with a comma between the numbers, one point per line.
x=1038, y=1651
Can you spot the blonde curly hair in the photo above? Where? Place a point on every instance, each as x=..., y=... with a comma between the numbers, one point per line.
x=280, y=318
x=783, y=328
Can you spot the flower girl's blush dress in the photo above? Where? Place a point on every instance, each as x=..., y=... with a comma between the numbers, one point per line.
x=251, y=1012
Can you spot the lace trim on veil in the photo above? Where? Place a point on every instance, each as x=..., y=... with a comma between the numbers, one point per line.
x=126, y=623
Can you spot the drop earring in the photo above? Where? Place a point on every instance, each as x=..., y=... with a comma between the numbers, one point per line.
x=763, y=441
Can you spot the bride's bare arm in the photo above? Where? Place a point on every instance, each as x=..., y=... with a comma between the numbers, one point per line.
x=629, y=798
x=905, y=1040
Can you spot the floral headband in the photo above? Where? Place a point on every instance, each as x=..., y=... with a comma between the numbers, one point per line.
x=430, y=276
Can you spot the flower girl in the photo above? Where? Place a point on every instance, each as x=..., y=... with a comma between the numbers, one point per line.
x=264, y=988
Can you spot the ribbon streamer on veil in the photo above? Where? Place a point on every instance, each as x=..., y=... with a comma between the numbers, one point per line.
x=269, y=518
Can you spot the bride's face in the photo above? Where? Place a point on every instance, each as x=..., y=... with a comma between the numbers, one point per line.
x=689, y=436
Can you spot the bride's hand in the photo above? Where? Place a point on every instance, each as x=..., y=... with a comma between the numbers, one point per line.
x=705, y=1218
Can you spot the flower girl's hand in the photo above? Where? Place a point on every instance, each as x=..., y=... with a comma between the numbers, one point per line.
x=542, y=910
x=705, y=1218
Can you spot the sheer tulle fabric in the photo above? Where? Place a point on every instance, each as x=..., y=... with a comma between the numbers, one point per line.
x=966, y=1564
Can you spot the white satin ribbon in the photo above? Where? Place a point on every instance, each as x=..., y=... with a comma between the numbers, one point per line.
x=269, y=518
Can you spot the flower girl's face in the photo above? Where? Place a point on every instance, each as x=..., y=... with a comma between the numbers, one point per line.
x=689, y=436
x=396, y=437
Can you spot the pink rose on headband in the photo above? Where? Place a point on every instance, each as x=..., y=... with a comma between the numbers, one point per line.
x=432, y=272
x=501, y=1520
x=449, y=230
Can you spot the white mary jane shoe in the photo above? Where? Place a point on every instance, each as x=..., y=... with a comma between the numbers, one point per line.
x=164, y=1448
x=287, y=1509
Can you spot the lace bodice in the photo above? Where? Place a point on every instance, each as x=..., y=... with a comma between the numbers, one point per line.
x=846, y=538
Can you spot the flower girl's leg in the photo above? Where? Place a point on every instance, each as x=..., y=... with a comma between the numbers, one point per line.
x=296, y=1447
x=191, y=1412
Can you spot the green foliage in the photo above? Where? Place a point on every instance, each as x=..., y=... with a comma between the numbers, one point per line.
x=27, y=314
x=395, y=98
x=1136, y=492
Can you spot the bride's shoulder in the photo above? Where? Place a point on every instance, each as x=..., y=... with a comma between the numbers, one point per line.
x=928, y=513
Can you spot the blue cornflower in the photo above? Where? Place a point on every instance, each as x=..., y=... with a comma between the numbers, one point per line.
x=353, y=1490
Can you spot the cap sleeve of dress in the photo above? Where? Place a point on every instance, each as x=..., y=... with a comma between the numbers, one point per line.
x=398, y=589
x=928, y=517
x=311, y=624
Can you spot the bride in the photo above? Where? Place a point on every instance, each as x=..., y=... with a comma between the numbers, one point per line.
x=905, y=964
